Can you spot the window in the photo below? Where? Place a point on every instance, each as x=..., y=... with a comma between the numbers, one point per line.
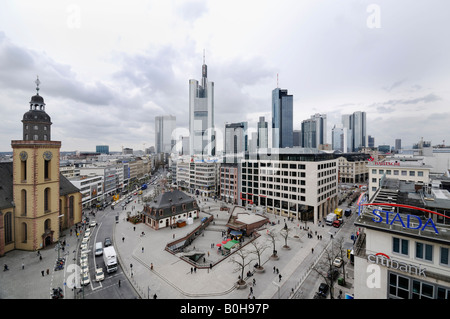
x=47, y=169
x=8, y=227
x=444, y=256
x=404, y=173
x=24, y=202
x=421, y=290
x=47, y=199
x=398, y=286
x=424, y=251
x=395, y=172
x=420, y=174
x=374, y=171
x=412, y=173
x=400, y=246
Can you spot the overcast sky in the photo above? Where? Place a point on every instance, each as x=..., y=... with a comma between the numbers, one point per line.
x=107, y=68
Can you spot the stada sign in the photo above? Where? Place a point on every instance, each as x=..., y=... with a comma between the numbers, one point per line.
x=408, y=221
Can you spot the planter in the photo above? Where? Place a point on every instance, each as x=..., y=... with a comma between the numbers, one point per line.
x=274, y=257
x=241, y=284
x=286, y=247
x=259, y=269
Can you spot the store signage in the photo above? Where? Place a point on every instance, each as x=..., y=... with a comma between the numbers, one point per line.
x=372, y=161
x=404, y=220
x=385, y=260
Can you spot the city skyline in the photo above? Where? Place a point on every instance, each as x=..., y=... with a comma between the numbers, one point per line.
x=108, y=69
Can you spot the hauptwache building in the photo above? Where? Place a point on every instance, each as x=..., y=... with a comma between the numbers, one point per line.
x=36, y=201
x=403, y=247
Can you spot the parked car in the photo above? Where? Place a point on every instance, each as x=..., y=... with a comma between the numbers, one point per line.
x=99, y=274
x=107, y=242
x=85, y=280
x=323, y=289
x=93, y=223
x=338, y=262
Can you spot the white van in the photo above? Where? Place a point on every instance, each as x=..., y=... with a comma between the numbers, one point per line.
x=98, y=248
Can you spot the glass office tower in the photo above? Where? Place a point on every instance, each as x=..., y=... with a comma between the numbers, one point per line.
x=282, y=119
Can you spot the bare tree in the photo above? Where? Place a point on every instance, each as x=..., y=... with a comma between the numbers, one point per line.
x=273, y=238
x=242, y=260
x=325, y=267
x=258, y=251
x=285, y=234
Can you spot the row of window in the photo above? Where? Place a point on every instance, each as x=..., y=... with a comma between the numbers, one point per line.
x=422, y=251
x=409, y=288
x=397, y=172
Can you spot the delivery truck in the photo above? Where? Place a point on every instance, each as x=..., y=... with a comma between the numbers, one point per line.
x=338, y=212
x=331, y=217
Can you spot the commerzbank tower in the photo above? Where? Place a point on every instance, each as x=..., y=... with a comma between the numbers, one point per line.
x=201, y=116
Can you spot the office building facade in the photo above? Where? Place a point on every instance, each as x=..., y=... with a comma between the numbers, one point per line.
x=290, y=183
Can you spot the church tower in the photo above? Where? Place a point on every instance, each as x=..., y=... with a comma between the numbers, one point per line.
x=36, y=180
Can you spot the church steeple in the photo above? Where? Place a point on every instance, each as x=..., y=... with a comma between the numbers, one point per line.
x=36, y=122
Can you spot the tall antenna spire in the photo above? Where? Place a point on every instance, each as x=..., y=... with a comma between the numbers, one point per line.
x=37, y=84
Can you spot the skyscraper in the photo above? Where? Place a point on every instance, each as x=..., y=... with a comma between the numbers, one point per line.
x=282, y=119
x=263, y=133
x=356, y=122
x=314, y=131
x=235, y=142
x=201, y=115
x=165, y=125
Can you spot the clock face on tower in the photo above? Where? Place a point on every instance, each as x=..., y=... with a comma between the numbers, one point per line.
x=23, y=156
x=48, y=155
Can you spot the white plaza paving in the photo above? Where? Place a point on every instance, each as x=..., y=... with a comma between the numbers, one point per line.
x=171, y=276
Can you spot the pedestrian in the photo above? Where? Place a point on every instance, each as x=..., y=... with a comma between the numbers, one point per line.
x=251, y=290
x=123, y=239
x=40, y=257
x=192, y=270
x=274, y=269
x=195, y=269
x=254, y=282
x=42, y=272
x=142, y=249
x=119, y=283
x=48, y=271
x=134, y=228
x=312, y=250
x=279, y=277
x=23, y=266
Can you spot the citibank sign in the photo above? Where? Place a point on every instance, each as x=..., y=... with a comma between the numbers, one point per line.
x=386, y=261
